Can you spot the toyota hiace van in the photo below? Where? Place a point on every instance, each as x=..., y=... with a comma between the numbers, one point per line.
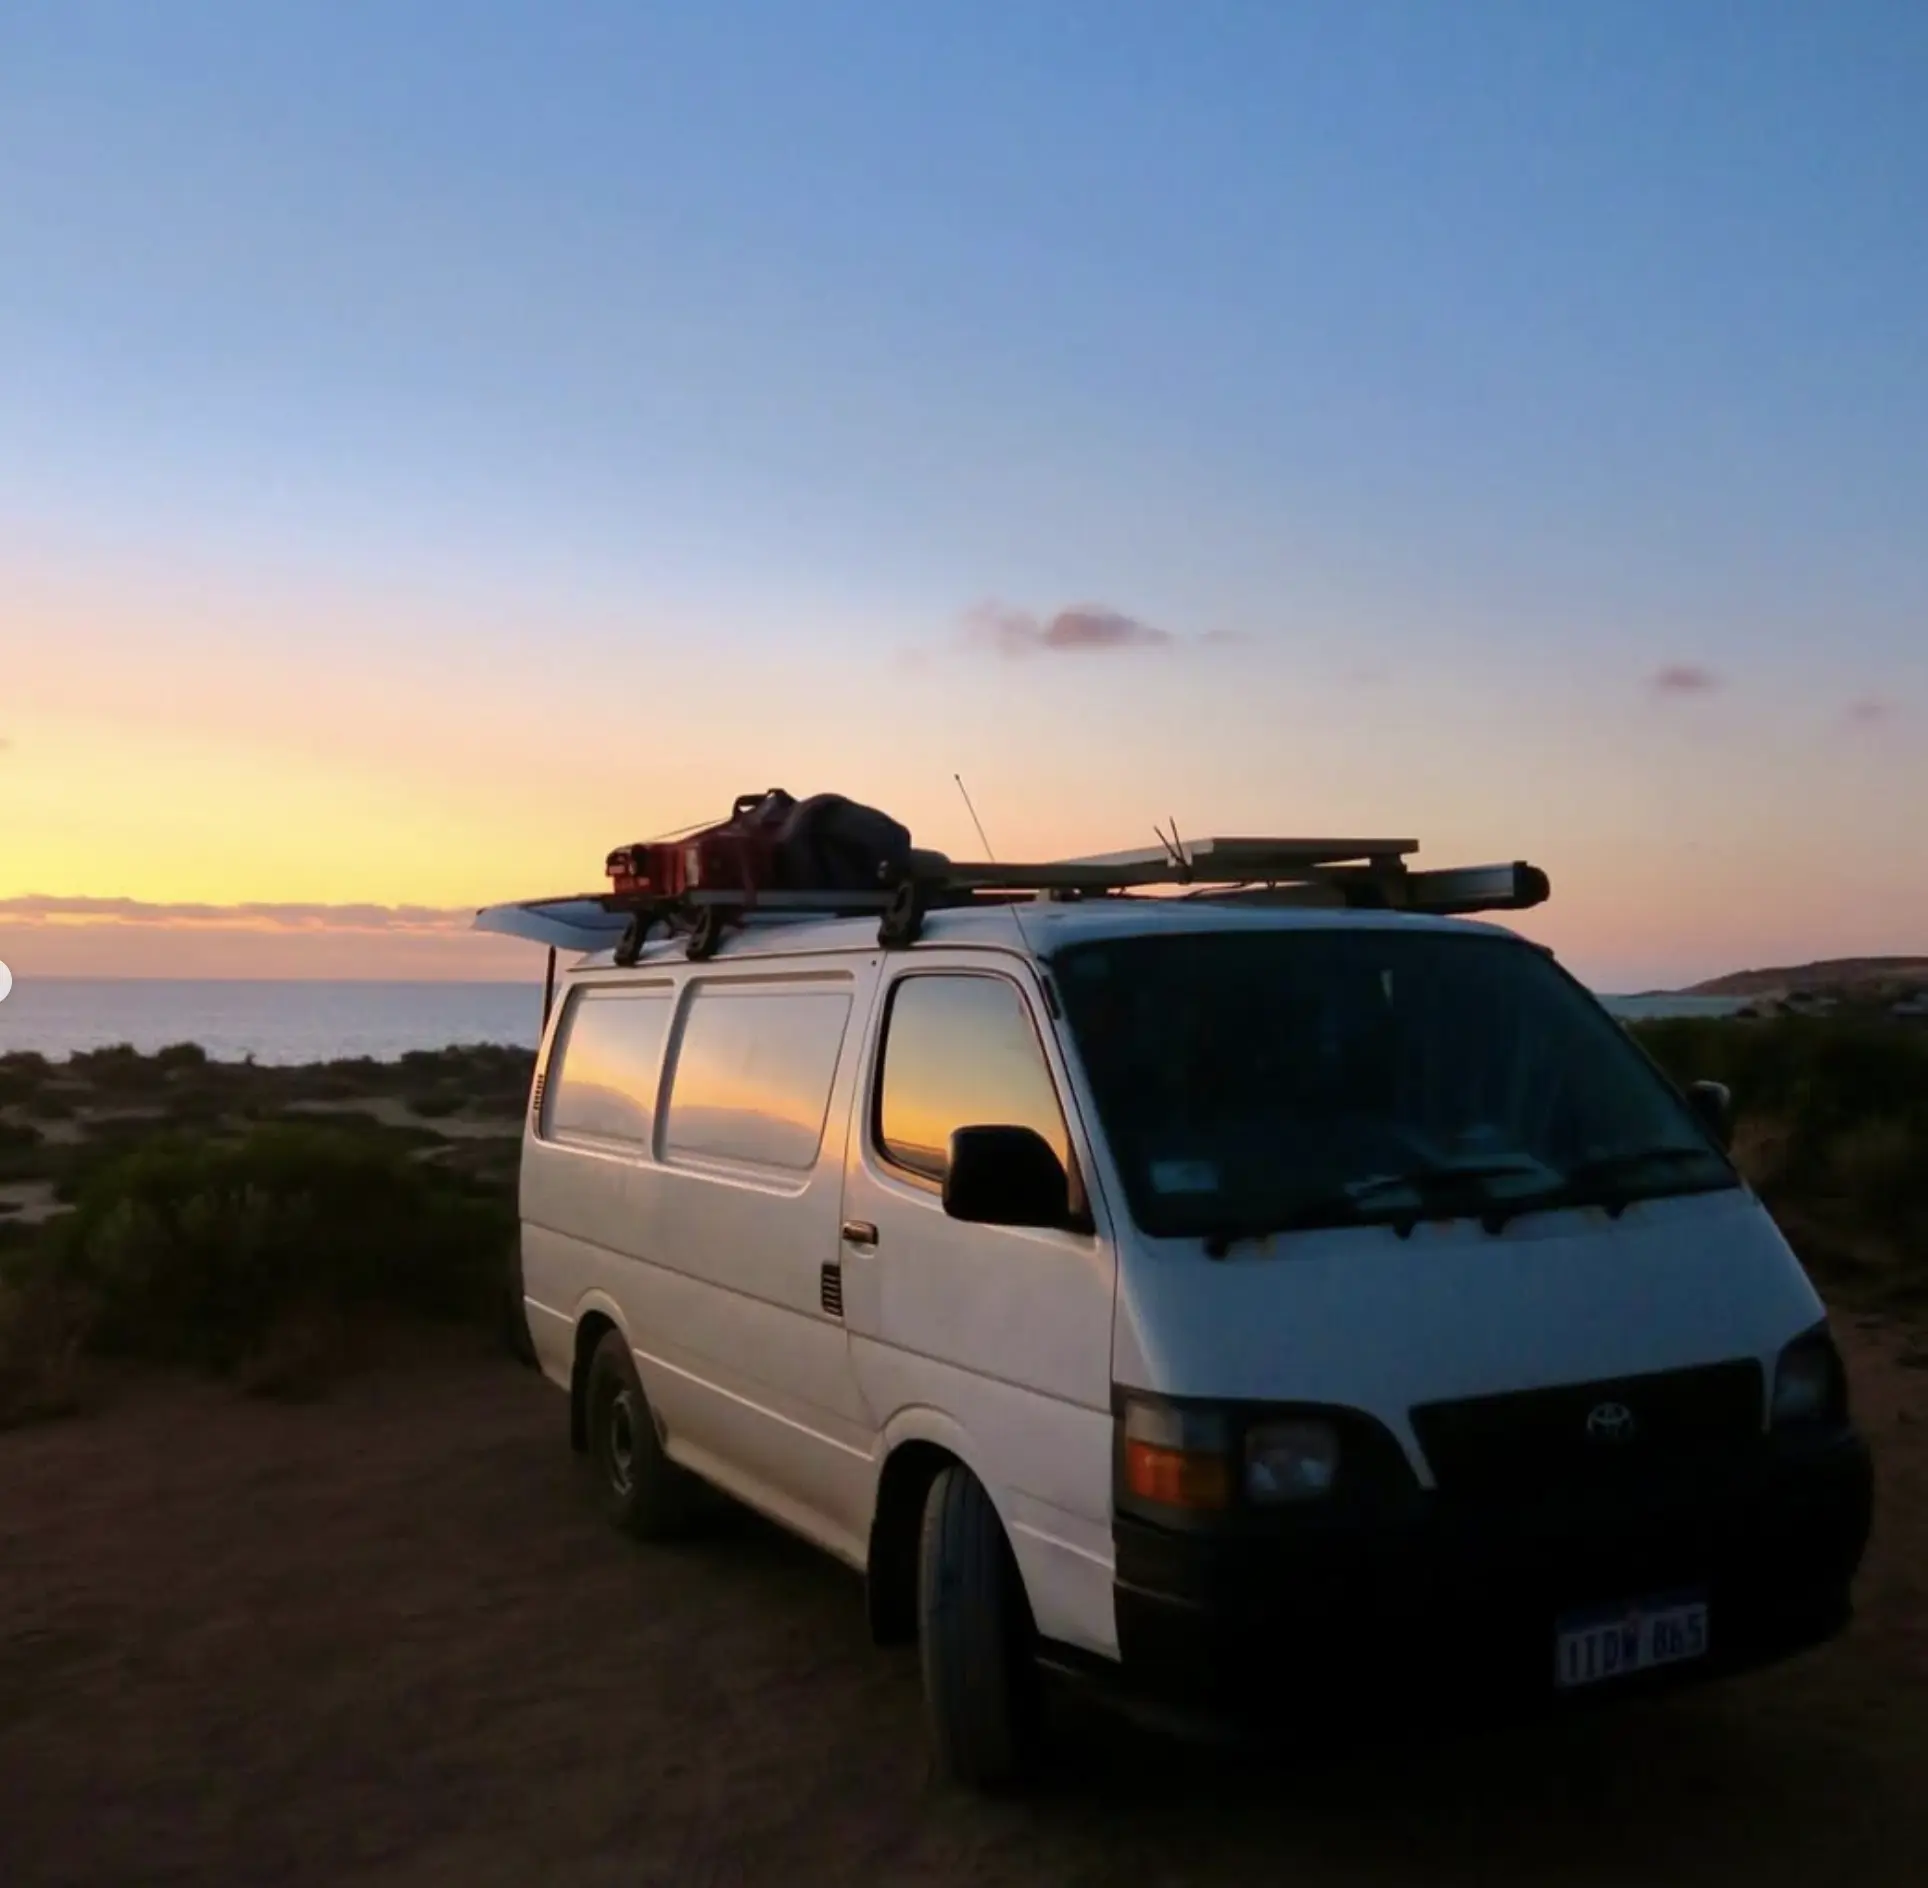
x=1229, y=1299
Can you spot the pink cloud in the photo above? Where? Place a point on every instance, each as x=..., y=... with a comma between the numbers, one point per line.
x=1086, y=627
x=1082, y=629
x=1683, y=678
x=1869, y=711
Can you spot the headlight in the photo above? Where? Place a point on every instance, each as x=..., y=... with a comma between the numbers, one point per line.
x=1216, y=1462
x=1810, y=1383
x=1290, y=1461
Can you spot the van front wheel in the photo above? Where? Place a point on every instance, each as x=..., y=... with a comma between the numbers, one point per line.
x=976, y=1640
x=642, y=1491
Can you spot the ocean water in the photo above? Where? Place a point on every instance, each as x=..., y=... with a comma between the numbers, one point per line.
x=316, y=1022
x=273, y=1022
x=1644, y=1009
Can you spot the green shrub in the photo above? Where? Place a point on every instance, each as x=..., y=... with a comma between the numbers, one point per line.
x=437, y=1104
x=1880, y=1170
x=1832, y=1123
x=1818, y=1074
x=21, y=1157
x=198, y=1252
x=23, y=1073
x=120, y=1069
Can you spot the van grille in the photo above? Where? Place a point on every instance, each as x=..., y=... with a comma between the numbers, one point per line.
x=831, y=1291
x=1583, y=1435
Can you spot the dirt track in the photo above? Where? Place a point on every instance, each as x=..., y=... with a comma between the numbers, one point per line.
x=385, y=1638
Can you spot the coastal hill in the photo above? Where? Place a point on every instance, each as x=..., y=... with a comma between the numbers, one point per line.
x=1841, y=976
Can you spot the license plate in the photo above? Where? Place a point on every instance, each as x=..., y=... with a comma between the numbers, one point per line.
x=1593, y=1647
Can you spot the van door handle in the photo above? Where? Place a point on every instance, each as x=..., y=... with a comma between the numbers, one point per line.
x=859, y=1232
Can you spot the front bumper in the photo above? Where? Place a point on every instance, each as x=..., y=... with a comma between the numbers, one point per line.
x=1460, y=1600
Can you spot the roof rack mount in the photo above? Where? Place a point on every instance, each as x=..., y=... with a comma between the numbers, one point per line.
x=1357, y=873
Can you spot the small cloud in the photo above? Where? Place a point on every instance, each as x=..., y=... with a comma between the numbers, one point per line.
x=1683, y=678
x=1085, y=628
x=1869, y=712
x=1089, y=626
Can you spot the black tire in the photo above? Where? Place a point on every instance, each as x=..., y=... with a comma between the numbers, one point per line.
x=976, y=1641
x=642, y=1491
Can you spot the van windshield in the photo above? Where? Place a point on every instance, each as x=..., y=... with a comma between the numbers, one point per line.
x=1256, y=1081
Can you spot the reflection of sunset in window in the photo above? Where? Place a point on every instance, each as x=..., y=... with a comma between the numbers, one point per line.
x=607, y=1062
x=961, y=1051
x=753, y=1074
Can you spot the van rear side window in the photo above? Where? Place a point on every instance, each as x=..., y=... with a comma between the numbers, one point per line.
x=754, y=1069
x=605, y=1067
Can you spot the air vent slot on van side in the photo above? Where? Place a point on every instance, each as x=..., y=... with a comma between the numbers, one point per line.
x=831, y=1291
x=535, y=1095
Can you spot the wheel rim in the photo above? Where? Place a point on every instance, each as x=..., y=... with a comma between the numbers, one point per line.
x=619, y=1442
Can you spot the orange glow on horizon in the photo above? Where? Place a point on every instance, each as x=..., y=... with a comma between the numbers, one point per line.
x=192, y=738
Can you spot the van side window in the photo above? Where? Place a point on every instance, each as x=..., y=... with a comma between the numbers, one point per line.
x=960, y=1051
x=605, y=1066
x=754, y=1069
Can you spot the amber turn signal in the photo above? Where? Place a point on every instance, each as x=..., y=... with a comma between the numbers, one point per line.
x=1177, y=1478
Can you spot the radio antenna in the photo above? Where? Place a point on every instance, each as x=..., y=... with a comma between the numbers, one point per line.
x=983, y=839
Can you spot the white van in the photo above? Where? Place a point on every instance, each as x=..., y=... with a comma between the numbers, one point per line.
x=1235, y=1301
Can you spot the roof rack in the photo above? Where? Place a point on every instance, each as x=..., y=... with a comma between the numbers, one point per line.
x=1344, y=873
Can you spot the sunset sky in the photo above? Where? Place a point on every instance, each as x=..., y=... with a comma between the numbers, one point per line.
x=439, y=443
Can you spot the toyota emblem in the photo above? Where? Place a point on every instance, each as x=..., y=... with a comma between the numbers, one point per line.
x=1610, y=1422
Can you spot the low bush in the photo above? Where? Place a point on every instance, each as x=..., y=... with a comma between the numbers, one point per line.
x=21, y=1156
x=1826, y=1074
x=1831, y=1125
x=119, y=1069
x=204, y=1252
x=22, y=1074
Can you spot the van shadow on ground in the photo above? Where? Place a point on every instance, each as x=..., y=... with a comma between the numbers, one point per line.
x=1776, y=1776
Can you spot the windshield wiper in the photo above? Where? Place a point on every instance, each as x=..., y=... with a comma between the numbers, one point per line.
x=1604, y=1181
x=1436, y=1188
x=1442, y=1192
x=1598, y=1182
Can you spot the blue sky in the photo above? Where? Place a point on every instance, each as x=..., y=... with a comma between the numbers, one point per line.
x=1434, y=376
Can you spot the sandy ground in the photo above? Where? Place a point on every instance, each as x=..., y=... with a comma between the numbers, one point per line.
x=384, y=1638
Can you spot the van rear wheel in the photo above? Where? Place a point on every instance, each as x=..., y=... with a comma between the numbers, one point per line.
x=976, y=1640
x=642, y=1491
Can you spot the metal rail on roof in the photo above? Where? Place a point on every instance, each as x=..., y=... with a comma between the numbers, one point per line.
x=1356, y=873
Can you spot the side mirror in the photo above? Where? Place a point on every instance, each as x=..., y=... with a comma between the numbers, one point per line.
x=1002, y=1176
x=1714, y=1103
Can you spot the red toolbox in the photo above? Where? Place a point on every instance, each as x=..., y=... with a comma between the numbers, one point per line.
x=738, y=855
